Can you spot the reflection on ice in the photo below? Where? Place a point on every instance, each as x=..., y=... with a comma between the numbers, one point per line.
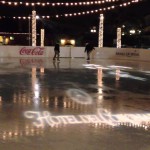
x=35, y=87
x=94, y=66
x=79, y=96
x=126, y=75
x=120, y=67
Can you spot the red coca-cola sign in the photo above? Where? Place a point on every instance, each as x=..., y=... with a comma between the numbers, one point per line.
x=32, y=51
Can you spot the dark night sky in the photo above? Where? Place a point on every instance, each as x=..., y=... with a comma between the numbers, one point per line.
x=74, y=25
x=135, y=10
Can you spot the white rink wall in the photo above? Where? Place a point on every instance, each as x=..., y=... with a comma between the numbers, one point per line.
x=98, y=53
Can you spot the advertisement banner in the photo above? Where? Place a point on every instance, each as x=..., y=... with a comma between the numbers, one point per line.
x=127, y=52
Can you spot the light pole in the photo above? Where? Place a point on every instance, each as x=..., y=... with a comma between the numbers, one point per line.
x=118, y=37
x=33, y=18
x=33, y=28
x=101, y=28
x=42, y=37
x=29, y=29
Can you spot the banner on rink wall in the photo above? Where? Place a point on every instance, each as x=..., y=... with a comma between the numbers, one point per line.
x=127, y=52
x=74, y=52
x=33, y=51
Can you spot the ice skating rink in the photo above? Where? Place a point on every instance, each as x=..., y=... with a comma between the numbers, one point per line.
x=74, y=104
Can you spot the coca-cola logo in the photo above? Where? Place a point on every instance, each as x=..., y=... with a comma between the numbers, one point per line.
x=32, y=51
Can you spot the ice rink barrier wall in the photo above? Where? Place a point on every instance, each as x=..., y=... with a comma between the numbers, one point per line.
x=74, y=52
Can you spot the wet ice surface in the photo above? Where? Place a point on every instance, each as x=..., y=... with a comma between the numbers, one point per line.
x=46, y=105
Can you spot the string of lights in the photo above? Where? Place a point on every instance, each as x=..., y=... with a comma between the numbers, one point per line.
x=57, y=3
x=100, y=10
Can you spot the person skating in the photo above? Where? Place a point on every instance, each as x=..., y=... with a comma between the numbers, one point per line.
x=88, y=49
x=56, y=52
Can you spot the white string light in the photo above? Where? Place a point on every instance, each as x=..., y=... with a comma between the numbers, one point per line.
x=33, y=28
x=59, y=3
x=101, y=28
x=118, y=37
x=101, y=10
x=42, y=37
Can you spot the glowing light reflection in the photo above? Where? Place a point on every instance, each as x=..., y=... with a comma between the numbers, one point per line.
x=100, y=84
x=127, y=75
x=93, y=66
x=120, y=67
x=35, y=87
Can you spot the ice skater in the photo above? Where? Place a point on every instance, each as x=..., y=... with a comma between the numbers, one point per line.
x=88, y=49
x=56, y=52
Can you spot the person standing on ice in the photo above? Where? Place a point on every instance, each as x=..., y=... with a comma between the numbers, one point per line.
x=88, y=49
x=56, y=51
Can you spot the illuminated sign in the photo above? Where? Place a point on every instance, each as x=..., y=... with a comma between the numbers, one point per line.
x=44, y=118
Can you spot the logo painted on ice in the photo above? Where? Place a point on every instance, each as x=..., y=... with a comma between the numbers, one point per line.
x=32, y=51
x=79, y=96
x=102, y=117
